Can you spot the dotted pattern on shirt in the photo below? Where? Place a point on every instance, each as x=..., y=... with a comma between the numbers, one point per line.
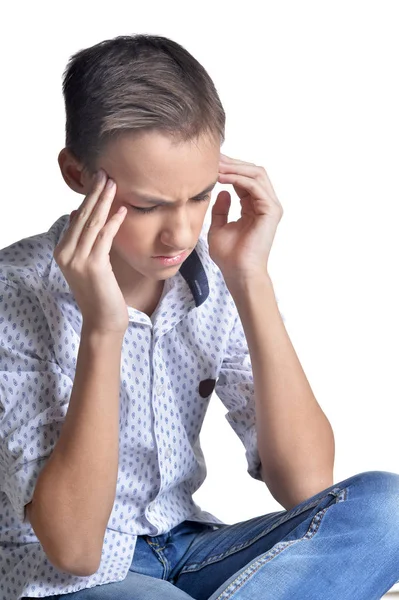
x=193, y=344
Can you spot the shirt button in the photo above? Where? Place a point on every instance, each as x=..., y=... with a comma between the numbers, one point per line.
x=159, y=389
x=168, y=452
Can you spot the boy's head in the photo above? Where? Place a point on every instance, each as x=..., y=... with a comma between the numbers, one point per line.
x=144, y=109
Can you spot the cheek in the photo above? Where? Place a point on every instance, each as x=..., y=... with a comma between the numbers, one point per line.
x=131, y=234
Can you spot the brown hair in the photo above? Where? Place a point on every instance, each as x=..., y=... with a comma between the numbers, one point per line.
x=138, y=82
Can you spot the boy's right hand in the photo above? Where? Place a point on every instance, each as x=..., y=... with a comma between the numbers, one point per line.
x=83, y=256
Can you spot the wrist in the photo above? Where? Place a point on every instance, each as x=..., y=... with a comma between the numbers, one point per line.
x=96, y=335
x=244, y=284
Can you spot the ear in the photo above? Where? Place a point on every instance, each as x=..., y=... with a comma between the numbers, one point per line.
x=73, y=172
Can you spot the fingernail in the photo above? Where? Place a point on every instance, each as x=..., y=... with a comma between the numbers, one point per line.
x=100, y=175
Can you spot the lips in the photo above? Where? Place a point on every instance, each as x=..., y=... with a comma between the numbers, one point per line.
x=168, y=261
x=170, y=255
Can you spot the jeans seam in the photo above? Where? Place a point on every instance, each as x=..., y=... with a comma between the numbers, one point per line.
x=165, y=564
x=340, y=494
x=256, y=564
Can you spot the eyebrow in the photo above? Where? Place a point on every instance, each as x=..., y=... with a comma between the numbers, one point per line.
x=153, y=200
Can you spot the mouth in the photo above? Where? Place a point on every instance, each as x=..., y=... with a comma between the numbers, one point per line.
x=172, y=260
x=170, y=255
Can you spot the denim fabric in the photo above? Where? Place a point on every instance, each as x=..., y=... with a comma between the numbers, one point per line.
x=341, y=543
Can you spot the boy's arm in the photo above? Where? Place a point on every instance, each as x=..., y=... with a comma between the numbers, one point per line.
x=295, y=439
x=75, y=491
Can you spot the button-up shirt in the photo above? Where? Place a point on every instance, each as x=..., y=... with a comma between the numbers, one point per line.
x=171, y=362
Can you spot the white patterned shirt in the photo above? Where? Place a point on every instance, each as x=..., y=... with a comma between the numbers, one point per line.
x=193, y=344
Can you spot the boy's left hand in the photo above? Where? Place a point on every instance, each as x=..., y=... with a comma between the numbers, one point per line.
x=241, y=248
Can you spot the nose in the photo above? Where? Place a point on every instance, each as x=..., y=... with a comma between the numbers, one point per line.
x=176, y=231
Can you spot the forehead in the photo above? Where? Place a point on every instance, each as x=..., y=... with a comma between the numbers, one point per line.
x=155, y=164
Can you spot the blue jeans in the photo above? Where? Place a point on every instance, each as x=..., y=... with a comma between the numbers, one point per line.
x=341, y=543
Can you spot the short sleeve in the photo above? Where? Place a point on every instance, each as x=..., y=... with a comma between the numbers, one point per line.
x=34, y=397
x=235, y=388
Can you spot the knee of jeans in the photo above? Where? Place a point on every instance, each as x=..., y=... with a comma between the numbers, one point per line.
x=378, y=482
x=381, y=491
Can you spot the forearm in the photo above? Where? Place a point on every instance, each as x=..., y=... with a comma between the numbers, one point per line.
x=295, y=439
x=75, y=491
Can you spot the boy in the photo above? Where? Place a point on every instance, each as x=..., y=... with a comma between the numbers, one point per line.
x=117, y=328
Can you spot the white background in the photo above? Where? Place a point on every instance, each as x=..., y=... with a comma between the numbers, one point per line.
x=311, y=93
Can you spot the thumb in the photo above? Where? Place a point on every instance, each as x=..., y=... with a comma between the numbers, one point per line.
x=220, y=210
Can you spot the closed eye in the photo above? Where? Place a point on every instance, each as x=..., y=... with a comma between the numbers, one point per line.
x=148, y=210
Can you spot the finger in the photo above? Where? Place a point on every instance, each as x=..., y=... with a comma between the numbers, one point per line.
x=241, y=169
x=104, y=240
x=96, y=221
x=79, y=217
x=92, y=212
x=227, y=159
x=220, y=210
x=256, y=172
x=251, y=185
